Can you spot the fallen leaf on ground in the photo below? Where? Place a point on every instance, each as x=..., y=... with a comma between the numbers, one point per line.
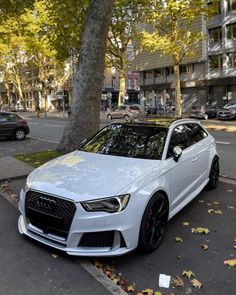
x=230, y=207
x=216, y=203
x=204, y=246
x=231, y=263
x=188, y=274
x=229, y=191
x=116, y=280
x=208, y=204
x=234, y=240
x=218, y=212
x=148, y=292
x=55, y=256
x=200, y=201
x=157, y=293
x=200, y=230
x=178, y=239
x=178, y=257
x=131, y=288
x=185, y=223
x=210, y=211
x=177, y=281
x=234, y=247
x=196, y=284
x=188, y=291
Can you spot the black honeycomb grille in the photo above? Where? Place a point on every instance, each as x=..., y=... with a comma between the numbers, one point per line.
x=97, y=239
x=51, y=214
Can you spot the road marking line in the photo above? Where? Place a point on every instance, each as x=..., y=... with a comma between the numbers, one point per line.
x=50, y=125
x=223, y=142
x=43, y=139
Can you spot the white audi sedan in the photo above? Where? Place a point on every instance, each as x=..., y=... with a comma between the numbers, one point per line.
x=118, y=191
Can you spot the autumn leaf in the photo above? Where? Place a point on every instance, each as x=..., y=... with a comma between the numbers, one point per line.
x=210, y=211
x=218, y=212
x=234, y=240
x=178, y=257
x=196, y=284
x=208, y=204
x=231, y=263
x=55, y=256
x=234, y=247
x=178, y=239
x=185, y=223
x=116, y=280
x=201, y=201
x=204, y=246
x=157, y=293
x=148, y=292
x=230, y=207
x=131, y=288
x=200, y=230
x=216, y=203
x=177, y=282
x=229, y=191
x=188, y=274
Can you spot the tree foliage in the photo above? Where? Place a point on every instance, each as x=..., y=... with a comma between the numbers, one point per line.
x=170, y=31
x=122, y=31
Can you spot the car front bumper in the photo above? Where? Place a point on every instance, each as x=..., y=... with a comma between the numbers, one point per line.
x=125, y=237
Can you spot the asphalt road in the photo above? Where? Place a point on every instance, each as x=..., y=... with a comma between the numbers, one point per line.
x=51, y=130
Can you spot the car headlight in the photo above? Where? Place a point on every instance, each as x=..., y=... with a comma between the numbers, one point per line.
x=110, y=205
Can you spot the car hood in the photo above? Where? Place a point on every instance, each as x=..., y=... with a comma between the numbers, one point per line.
x=87, y=176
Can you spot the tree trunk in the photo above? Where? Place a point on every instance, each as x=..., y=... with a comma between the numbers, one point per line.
x=85, y=109
x=178, y=99
x=122, y=87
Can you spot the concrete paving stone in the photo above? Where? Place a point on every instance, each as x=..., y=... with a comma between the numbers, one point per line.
x=12, y=168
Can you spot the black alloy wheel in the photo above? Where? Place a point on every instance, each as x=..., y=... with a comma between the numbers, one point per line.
x=153, y=223
x=214, y=174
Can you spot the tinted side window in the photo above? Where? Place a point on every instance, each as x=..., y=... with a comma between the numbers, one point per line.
x=10, y=117
x=178, y=138
x=195, y=133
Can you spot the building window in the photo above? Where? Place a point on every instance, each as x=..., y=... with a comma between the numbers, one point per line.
x=148, y=75
x=231, y=5
x=215, y=35
x=184, y=69
x=231, y=31
x=159, y=73
x=216, y=61
x=129, y=84
x=113, y=82
x=169, y=71
x=231, y=60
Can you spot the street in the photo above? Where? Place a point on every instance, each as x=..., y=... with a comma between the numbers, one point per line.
x=51, y=130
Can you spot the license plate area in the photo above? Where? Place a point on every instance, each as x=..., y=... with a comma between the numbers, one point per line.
x=48, y=223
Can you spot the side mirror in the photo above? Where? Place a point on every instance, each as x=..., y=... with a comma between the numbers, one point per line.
x=177, y=152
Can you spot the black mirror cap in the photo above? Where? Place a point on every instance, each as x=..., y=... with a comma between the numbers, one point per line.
x=177, y=152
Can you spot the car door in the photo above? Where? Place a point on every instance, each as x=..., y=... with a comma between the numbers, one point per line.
x=183, y=172
x=198, y=138
x=8, y=124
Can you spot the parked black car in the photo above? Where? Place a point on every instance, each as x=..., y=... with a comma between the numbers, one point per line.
x=12, y=125
x=203, y=112
x=227, y=113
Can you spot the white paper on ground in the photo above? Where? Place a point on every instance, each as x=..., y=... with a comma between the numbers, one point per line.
x=164, y=281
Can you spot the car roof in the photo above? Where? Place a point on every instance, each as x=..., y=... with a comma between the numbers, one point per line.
x=158, y=122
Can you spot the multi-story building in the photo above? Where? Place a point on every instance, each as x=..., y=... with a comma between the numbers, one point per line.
x=207, y=77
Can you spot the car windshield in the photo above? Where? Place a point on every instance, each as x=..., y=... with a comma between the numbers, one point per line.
x=137, y=141
x=230, y=106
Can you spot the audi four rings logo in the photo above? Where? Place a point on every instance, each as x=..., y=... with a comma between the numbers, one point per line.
x=45, y=203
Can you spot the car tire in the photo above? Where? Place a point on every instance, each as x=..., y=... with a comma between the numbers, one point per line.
x=153, y=223
x=20, y=134
x=214, y=174
x=126, y=117
x=109, y=117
